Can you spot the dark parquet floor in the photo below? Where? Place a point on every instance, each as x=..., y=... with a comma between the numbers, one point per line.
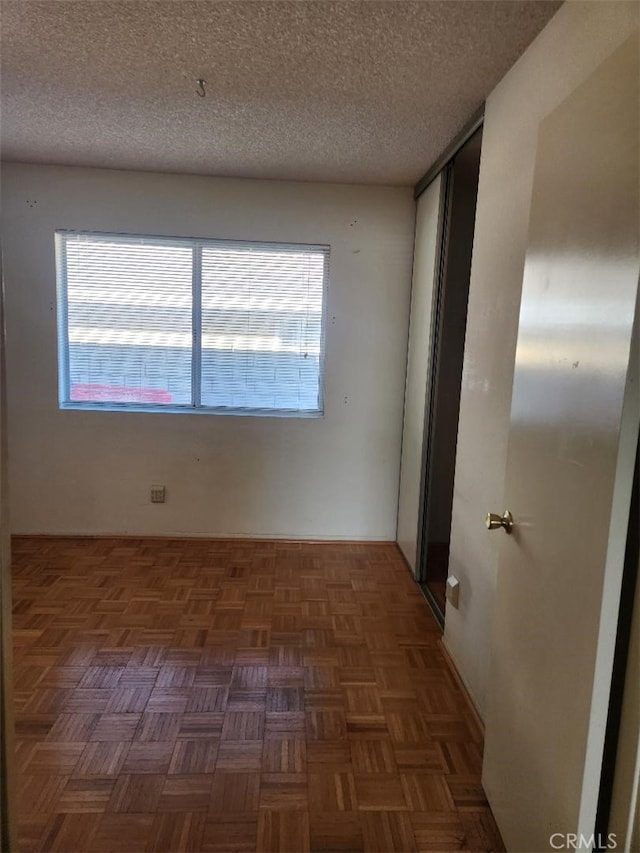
x=221, y=696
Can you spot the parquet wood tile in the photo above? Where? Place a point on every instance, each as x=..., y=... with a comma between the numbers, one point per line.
x=148, y=757
x=324, y=700
x=463, y=758
x=69, y=832
x=466, y=792
x=168, y=700
x=326, y=725
x=204, y=724
x=422, y=759
x=52, y=758
x=284, y=791
x=230, y=834
x=243, y=725
x=30, y=830
x=437, y=831
x=408, y=727
x=40, y=793
x=101, y=759
x=88, y=701
x=74, y=728
x=335, y=832
x=230, y=695
x=119, y=727
x=121, y=833
x=480, y=830
x=321, y=678
x=285, y=699
x=240, y=755
x=128, y=700
x=177, y=831
x=136, y=793
x=329, y=753
x=85, y=795
x=190, y=792
x=373, y=756
x=427, y=792
x=158, y=726
x=286, y=676
x=284, y=721
x=332, y=790
x=284, y=754
x=47, y=700
x=34, y=727
x=388, y=832
x=283, y=831
x=234, y=793
x=378, y=792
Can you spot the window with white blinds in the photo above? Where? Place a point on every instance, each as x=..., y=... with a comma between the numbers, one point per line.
x=190, y=325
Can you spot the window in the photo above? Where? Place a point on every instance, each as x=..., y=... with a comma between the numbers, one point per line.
x=190, y=325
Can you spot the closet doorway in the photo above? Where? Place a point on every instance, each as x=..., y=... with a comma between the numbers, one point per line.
x=459, y=190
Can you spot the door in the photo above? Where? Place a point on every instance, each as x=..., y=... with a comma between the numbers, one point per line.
x=425, y=255
x=574, y=427
x=449, y=323
x=619, y=802
x=7, y=746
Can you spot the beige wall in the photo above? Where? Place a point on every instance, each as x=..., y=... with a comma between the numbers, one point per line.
x=90, y=472
x=574, y=43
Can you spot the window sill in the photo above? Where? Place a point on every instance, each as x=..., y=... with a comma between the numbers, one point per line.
x=190, y=410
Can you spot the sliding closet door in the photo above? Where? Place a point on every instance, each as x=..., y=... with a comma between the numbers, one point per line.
x=447, y=358
x=427, y=240
x=7, y=745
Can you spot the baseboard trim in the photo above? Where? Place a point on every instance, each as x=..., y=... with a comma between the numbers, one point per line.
x=230, y=537
x=474, y=716
x=405, y=561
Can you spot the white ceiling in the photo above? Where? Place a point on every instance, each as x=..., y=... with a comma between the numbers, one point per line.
x=366, y=92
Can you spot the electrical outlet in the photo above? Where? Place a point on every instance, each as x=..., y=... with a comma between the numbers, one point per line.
x=158, y=494
x=453, y=591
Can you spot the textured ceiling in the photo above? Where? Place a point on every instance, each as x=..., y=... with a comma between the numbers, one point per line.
x=367, y=92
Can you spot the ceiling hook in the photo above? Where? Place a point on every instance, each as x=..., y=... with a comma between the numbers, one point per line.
x=200, y=91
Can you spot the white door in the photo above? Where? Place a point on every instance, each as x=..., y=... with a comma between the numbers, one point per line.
x=574, y=426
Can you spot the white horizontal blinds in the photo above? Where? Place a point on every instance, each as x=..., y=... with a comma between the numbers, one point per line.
x=129, y=320
x=214, y=324
x=262, y=326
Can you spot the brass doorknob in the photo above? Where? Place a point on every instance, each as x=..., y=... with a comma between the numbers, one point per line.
x=494, y=521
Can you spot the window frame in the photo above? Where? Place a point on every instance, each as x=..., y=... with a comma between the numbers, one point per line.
x=196, y=244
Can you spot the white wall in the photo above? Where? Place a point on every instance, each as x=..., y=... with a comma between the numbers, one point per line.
x=418, y=366
x=579, y=37
x=90, y=472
